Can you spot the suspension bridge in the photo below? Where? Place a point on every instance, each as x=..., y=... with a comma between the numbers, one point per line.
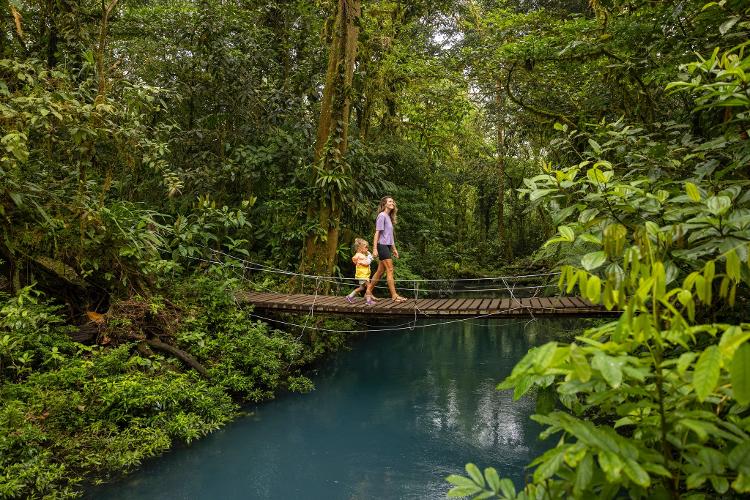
x=455, y=299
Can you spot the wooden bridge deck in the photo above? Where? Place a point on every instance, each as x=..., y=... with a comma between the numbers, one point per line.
x=460, y=307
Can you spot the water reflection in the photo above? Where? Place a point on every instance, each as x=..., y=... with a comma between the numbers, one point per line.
x=389, y=419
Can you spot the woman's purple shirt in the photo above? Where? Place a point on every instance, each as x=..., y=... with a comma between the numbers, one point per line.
x=385, y=226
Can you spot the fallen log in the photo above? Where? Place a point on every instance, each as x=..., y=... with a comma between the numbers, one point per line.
x=179, y=354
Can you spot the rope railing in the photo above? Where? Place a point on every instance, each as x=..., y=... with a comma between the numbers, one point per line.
x=449, y=288
x=446, y=290
x=266, y=268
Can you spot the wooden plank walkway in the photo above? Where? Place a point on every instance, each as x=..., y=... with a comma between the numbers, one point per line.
x=460, y=307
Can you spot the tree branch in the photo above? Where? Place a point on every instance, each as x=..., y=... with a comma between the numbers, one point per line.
x=533, y=109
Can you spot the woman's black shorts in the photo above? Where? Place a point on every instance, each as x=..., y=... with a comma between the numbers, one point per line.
x=384, y=252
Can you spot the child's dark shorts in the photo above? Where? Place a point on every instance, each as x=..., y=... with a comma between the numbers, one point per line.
x=384, y=252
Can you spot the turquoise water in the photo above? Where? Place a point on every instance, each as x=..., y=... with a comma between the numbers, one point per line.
x=390, y=418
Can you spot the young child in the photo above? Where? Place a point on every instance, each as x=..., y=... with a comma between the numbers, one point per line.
x=361, y=261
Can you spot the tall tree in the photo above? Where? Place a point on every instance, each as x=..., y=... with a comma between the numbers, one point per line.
x=331, y=172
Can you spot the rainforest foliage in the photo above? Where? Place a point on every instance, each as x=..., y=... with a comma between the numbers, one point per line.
x=653, y=214
x=139, y=141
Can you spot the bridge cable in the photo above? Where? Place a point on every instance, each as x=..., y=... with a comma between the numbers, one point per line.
x=513, y=297
x=263, y=267
x=410, y=326
x=416, y=297
x=311, y=315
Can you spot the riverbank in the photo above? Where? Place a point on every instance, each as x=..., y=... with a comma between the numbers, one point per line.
x=163, y=370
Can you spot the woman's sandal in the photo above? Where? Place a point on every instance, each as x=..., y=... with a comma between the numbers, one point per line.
x=399, y=298
x=369, y=300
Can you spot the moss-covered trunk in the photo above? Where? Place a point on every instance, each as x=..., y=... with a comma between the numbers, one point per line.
x=504, y=242
x=332, y=173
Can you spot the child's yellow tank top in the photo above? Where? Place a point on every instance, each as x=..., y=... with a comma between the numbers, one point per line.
x=362, y=272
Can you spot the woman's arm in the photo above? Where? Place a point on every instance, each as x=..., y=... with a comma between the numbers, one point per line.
x=375, y=243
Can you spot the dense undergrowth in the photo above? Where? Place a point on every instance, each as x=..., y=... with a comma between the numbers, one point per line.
x=73, y=414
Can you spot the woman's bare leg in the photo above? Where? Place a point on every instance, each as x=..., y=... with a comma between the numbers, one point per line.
x=389, y=276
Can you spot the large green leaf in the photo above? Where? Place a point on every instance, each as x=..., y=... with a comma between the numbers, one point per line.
x=584, y=473
x=594, y=289
x=742, y=483
x=543, y=356
x=539, y=193
x=592, y=260
x=567, y=233
x=580, y=364
x=457, y=480
x=520, y=386
x=706, y=374
x=739, y=457
x=718, y=205
x=551, y=462
x=493, y=480
x=692, y=191
x=609, y=368
x=684, y=361
x=507, y=488
x=475, y=474
x=731, y=339
x=740, y=373
x=611, y=464
x=463, y=491
x=636, y=473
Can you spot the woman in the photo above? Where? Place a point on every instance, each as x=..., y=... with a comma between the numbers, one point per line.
x=384, y=248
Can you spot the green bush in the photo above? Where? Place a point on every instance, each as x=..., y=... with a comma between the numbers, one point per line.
x=31, y=336
x=244, y=356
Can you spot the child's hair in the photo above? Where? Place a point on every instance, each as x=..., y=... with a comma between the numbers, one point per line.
x=358, y=243
x=393, y=213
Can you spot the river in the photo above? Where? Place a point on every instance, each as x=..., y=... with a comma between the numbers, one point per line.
x=389, y=418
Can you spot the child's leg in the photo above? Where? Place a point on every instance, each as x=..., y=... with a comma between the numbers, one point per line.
x=361, y=288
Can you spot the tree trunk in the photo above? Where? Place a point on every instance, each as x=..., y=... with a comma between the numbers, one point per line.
x=102, y=47
x=484, y=213
x=501, y=172
x=319, y=254
x=52, y=37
